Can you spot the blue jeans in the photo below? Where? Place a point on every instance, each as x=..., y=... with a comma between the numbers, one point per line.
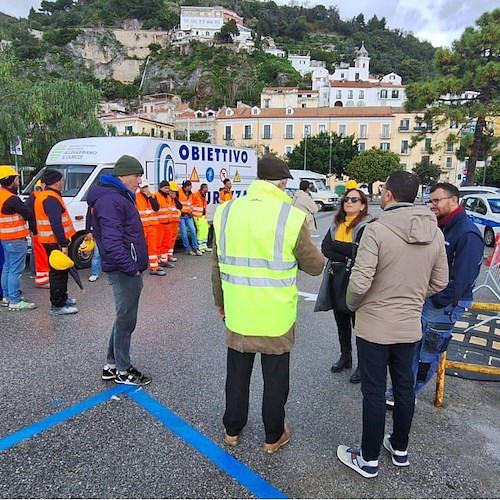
x=187, y=225
x=96, y=262
x=373, y=360
x=126, y=292
x=15, y=261
x=437, y=327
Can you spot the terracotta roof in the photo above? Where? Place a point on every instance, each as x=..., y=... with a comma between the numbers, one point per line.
x=354, y=111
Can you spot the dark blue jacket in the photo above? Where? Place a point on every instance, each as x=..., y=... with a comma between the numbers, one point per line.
x=464, y=249
x=117, y=227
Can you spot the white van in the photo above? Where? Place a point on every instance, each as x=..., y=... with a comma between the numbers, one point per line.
x=322, y=196
x=82, y=161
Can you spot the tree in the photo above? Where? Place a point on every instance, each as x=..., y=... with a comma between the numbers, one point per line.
x=227, y=32
x=316, y=151
x=200, y=136
x=472, y=64
x=373, y=165
x=492, y=175
x=427, y=172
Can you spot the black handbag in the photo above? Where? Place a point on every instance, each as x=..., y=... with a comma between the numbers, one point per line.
x=341, y=271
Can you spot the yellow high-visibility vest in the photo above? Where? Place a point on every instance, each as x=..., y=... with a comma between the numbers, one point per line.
x=256, y=235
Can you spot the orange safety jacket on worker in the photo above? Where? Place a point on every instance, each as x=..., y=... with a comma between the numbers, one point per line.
x=187, y=202
x=163, y=213
x=43, y=227
x=225, y=195
x=12, y=226
x=149, y=217
x=199, y=204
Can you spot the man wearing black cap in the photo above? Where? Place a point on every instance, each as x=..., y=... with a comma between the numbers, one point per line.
x=260, y=242
x=55, y=230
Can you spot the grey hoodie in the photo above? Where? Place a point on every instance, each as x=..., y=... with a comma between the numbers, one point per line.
x=401, y=260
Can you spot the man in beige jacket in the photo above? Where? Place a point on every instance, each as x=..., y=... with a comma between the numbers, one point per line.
x=303, y=201
x=401, y=260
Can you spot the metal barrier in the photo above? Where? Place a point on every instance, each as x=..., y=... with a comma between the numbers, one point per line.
x=468, y=367
x=457, y=365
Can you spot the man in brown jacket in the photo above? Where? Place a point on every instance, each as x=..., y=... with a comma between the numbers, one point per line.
x=401, y=260
x=260, y=242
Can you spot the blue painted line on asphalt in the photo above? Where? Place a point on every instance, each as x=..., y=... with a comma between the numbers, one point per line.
x=59, y=417
x=240, y=472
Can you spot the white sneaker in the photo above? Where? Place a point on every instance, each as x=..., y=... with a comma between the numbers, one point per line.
x=172, y=259
x=198, y=252
x=59, y=311
x=5, y=302
x=93, y=277
x=22, y=306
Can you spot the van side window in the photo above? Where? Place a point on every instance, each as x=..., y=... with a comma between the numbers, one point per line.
x=104, y=171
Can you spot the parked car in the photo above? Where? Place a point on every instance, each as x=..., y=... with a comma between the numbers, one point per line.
x=465, y=190
x=484, y=210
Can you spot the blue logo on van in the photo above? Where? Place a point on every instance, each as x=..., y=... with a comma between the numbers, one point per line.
x=210, y=174
x=164, y=163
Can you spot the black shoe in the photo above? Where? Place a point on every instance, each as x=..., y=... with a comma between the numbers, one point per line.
x=345, y=361
x=355, y=377
x=132, y=377
x=108, y=373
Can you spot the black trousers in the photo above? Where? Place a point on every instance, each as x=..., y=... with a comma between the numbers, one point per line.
x=373, y=362
x=58, y=280
x=275, y=372
x=344, y=326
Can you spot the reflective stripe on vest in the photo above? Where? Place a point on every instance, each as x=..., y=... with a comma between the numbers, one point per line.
x=187, y=202
x=43, y=227
x=12, y=226
x=146, y=212
x=164, y=213
x=256, y=236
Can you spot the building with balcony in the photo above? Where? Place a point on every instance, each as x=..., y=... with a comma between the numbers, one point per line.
x=281, y=97
x=135, y=124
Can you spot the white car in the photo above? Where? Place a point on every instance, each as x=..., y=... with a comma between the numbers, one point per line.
x=484, y=211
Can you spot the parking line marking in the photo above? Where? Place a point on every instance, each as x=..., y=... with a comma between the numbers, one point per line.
x=59, y=417
x=226, y=462
x=238, y=471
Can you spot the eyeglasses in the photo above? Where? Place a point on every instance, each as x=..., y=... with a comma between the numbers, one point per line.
x=435, y=201
x=352, y=199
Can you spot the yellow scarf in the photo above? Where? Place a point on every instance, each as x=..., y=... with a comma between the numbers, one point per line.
x=344, y=232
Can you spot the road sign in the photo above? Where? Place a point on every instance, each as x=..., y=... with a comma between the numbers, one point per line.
x=237, y=177
x=223, y=174
x=194, y=176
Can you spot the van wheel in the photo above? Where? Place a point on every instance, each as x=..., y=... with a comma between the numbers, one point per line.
x=489, y=237
x=82, y=260
x=320, y=206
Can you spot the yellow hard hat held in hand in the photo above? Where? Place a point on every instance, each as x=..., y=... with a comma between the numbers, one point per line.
x=60, y=261
x=87, y=246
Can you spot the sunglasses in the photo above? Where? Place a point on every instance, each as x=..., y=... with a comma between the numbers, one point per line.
x=353, y=199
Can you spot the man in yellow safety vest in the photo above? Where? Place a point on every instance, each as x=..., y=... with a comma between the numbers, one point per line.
x=261, y=241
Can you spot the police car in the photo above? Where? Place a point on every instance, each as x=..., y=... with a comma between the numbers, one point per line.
x=484, y=211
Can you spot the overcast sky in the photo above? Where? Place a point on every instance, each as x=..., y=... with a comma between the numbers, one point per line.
x=438, y=21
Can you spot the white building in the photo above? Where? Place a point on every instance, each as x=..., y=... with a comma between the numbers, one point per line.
x=360, y=70
x=203, y=23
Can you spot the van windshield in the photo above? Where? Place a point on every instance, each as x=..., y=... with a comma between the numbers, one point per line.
x=319, y=184
x=75, y=177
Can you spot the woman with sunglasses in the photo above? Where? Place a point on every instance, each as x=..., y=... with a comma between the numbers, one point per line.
x=338, y=245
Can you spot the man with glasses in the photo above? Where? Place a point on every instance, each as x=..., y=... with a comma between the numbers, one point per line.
x=464, y=250
x=400, y=261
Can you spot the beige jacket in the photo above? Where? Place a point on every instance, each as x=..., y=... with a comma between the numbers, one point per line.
x=401, y=260
x=304, y=202
x=309, y=259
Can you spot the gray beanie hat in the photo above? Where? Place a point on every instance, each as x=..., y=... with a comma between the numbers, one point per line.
x=127, y=165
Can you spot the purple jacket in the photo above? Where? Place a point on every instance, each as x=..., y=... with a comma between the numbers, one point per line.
x=117, y=227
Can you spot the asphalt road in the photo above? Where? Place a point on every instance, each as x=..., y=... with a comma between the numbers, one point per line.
x=118, y=449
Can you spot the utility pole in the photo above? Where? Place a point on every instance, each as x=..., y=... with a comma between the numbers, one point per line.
x=305, y=151
x=330, y=157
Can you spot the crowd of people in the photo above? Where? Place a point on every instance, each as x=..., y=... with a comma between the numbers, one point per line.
x=399, y=281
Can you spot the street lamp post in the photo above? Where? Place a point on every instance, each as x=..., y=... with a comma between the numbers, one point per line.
x=305, y=151
x=330, y=157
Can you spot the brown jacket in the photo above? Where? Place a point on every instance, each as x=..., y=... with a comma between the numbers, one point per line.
x=309, y=259
x=304, y=202
x=401, y=260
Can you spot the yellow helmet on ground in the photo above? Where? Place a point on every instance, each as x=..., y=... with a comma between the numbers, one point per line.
x=173, y=186
x=351, y=184
x=60, y=261
x=6, y=171
x=87, y=246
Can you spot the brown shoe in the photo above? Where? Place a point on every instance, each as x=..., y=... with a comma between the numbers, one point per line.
x=284, y=439
x=231, y=440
